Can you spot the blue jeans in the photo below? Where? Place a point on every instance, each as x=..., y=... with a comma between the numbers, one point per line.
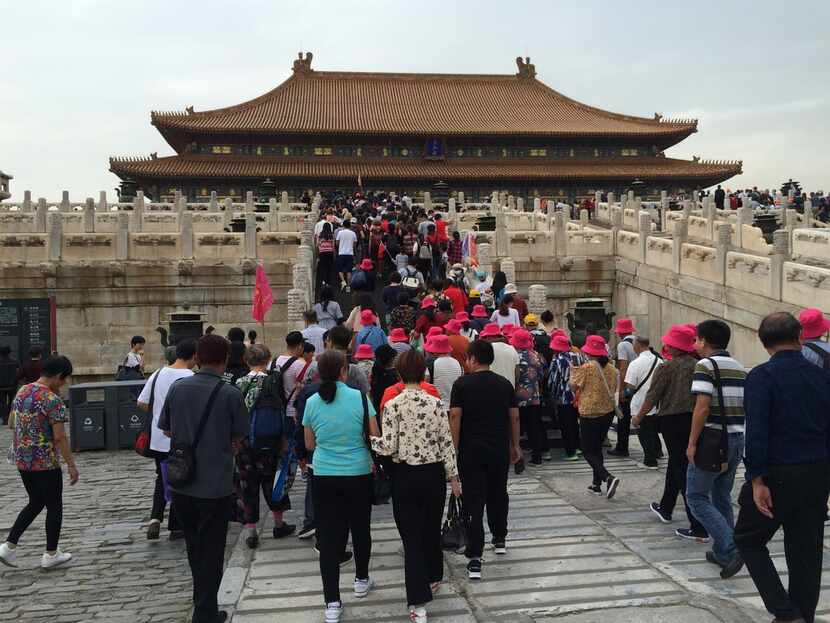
x=709, y=496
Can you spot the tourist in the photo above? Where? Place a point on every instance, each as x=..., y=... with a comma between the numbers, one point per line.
x=309, y=370
x=152, y=398
x=717, y=375
x=518, y=302
x=456, y=296
x=132, y=368
x=455, y=249
x=334, y=421
x=787, y=479
x=364, y=358
x=340, y=339
x=259, y=454
x=467, y=329
x=814, y=326
x=346, y=241
x=506, y=359
x=363, y=279
x=37, y=418
x=416, y=435
x=505, y=314
x=625, y=355
x=8, y=381
x=484, y=419
x=365, y=301
x=444, y=370
x=479, y=318
x=204, y=505
x=596, y=382
x=562, y=396
x=429, y=317
x=530, y=373
x=325, y=255
x=548, y=324
x=31, y=368
x=638, y=376
x=328, y=310
x=541, y=339
x=398, y=340
x=670, y=392
x=410, y=271
x=497, y=287
x=236, y=368
x=423, y=252
x=403, y=315
x=389, y=295
x=383, y=374
x=458, y=342
x=313, y=331
x=369, y=334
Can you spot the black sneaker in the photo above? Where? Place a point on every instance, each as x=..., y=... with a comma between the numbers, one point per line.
x=617, y=452
x=595, y=489
x=221, y=617
x=651, y=463
x=286, y=529
x=655, y=508
x=307, y=533
x=153, y=531
x=345, y=557
x=710, y=557
x=612, y=483
x=536, y=461
x=688, y=534
x=732, y=567
x=252, y=541
x=474, y=569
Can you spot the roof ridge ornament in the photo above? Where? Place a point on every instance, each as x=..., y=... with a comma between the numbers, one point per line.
x=526, y=68
x=303, y=64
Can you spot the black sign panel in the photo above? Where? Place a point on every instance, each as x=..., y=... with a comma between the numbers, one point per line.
x=25, y=323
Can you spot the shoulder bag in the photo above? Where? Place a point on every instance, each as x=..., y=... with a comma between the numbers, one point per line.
x=381, y=476
x=712, y=454
x=143, y=439
x=181, y=463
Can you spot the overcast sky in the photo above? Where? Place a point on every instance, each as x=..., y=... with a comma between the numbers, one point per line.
x=80, y=78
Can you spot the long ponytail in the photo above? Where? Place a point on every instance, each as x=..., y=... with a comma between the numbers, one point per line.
x=330, y=365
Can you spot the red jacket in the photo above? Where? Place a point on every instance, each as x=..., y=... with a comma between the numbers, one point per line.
x=457, y=297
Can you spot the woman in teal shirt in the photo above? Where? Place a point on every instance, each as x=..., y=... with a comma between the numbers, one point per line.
x=335, y=423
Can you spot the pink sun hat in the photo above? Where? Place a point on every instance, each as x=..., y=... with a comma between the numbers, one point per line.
x=680, y=337
x=508, y=330
x=453, y=327
x=560, y=344
x=521, y=339
x=435, y=331
x=364, y=351
x=813, y=323
x=462, y=316
x=397, y=335
x=596, y=346
x=479, y=311
x=367, y=317
x=491, y=329
x=438, y=345
x=624, y=326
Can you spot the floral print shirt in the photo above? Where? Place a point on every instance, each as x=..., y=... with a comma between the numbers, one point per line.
x=531, y=374
x=35, y=409
x=416, y=431
x=559, y=376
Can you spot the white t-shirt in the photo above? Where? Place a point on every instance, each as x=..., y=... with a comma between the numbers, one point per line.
x=512, y=317
x=505, y=362
x=447, y=371
x=166, y=377
x=634, y=375
x=346, y=239
x=133, y=360
x=625, y=350
x=314, y=335
x=289, y=380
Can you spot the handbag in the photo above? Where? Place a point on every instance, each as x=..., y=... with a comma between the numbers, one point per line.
x=381, y=476
x=454, y=530
x=143, y=439
x=712, y=454
x=181, y=462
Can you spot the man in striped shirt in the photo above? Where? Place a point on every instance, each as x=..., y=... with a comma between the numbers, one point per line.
x=709, y=494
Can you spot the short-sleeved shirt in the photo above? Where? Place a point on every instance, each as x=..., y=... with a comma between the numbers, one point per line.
x=512, y=317
x=132, y=360
x=505, y=362
x=733, y=376
x=339, y=433
x=447, y=371
x=35, y=409
x=163, y=379
x=228, y=420
x=671, y=386
x=485, y=399
x=625, y=350
x=289, y=381
x=641, y=371
x=328, y=317
x=313, y=334
x=529, y=383
x=346, y=240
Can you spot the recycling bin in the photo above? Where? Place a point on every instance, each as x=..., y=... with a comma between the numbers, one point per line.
x=104, y=416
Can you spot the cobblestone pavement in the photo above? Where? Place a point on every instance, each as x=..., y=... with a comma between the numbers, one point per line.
x=115, y=575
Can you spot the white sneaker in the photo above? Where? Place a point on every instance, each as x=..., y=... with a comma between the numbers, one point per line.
x=49, y=561
x=417, y=614
x=8, y=556
x=362, y=587
x=500, y=548
x=334, y=611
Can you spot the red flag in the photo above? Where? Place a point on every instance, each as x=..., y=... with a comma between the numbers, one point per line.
x=263, y=297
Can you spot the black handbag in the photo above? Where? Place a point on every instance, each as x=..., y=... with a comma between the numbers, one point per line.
x=712, y=454
x=382, y=477
x=181, y=462
x=454, y=531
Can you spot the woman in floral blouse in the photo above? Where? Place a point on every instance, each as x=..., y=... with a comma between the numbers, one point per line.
x=416, y=434
x=529, y=376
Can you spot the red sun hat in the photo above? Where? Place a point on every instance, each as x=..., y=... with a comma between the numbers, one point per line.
x=813, y=323
x=491, y=329
x=397, y=335
x=462, y=316
x=560, y=344
x=680, y=337
x=479, y=311
x=624, y=326
x=366, y=264
x=427, y=303
x=453, y=327
x=438, y=345
x=367, y=317
x=521, y=339
x=508, y=329
x=364, y=351
x=596, y=346
x=435, y=331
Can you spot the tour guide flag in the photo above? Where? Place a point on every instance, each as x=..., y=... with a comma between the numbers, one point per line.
x=263, y=297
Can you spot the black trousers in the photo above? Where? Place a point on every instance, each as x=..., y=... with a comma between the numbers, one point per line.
x=7, y=395
x=593, y=431
x=799, y=504
x=418, y=496
x=483, y=473
x=45, y=490
x=536, y=433
x=675, y=430
x=159, y=501
x=624, y=426
x=205, y=525
x=650, y=438
x=342, y=504
x=569, y=423
x=325, y=268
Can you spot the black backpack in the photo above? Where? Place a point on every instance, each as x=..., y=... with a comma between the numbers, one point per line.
x=272, y=394
x=818, y=350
